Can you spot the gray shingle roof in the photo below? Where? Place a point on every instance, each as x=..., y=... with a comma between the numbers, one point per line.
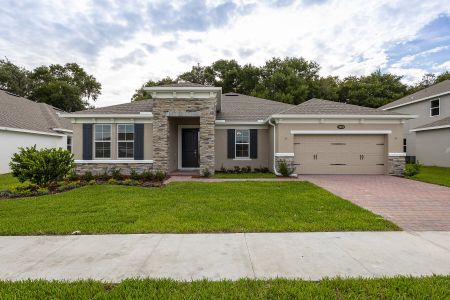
x=326, y=107
x=441, y=122
x=438, y=88
x=21, y=113
x=125, y=108
x=247, y=108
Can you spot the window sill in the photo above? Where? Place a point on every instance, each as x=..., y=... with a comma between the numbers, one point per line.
x=243, y=158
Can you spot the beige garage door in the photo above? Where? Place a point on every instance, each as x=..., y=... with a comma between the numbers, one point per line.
x=340, y=154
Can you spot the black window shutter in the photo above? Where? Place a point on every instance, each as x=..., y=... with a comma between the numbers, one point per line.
x=231, y=149
x=87, y=141
x=139, y=141
x=253, y=143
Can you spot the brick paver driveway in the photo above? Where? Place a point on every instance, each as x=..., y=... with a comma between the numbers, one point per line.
x=410, y=204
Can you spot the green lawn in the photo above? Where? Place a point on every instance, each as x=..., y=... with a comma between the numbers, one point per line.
x=436, y=175
x=244, y=175
x=433, y=287
x=6, y=180
x=186, y=207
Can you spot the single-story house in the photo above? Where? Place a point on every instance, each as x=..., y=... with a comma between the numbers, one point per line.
x=189, y=126
x=427, y=137
x=25, y=123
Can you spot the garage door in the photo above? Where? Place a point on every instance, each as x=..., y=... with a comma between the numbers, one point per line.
x=340, y=154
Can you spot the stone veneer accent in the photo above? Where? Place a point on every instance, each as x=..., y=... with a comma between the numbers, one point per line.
x=206, y=109
x=289, y=160
x=396, y=165
x=100, y=168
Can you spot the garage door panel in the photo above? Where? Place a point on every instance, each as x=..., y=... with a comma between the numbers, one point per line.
x=340, y=154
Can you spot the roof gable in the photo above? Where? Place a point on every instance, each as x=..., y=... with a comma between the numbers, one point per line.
x=440, y=88
x=21, y=113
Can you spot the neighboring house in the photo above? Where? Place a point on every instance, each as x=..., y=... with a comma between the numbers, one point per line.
x=24, y=123
x=188, y=126
x=427, y=137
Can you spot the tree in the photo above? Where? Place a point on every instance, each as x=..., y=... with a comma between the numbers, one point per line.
x=289, y=80
x=374, y=90
x=140, y=93
x=67, y=87
x=443, y=76
x=14, y=79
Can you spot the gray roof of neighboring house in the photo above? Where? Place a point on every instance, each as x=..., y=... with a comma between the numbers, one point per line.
x=326, y=107
x=125, y=108
x=436, y=89
x=21, y=113
x=441, y=122
x=247, y=108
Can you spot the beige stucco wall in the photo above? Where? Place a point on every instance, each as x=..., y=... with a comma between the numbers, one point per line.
x=77, y=141
x=433, y=147
x=285, y=140
x=221, y=151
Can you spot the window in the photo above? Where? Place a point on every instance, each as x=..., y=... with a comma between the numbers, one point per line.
x=69, y=143
x=404, y=145
x=434, y=108
x=102, y=140
x=242, y=143
x=125, y=140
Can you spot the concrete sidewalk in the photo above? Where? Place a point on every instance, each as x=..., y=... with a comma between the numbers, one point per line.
x=225, y=256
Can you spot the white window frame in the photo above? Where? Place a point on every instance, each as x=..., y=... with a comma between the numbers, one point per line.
x=240, y=143
x=125, y=141
x=102, y=141
x=438, y=107
x=67, y=143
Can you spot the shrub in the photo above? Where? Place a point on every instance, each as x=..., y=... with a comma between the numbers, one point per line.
x=148, y=175
x=130, y=182
x=284, y=168
x=92, y=182
x=264, y=170
x=88, y=176
x=72, y=176
x=23, y=187
x=237, y=169
x=160, y=176
x=115, y=174
x=206, y=172
x=105, y=176
x=42, y=191
x=41, y=166
x=412, y=169
x=112, y=181
x=135, y=175
x=246, y=169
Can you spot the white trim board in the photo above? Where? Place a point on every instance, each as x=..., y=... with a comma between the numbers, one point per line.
x=179, y=150
x=278, y=154
x=31, y=131
x=142, y=115
x=113, y=161
x=401, y=154
x=430, y=128
x=341, y=131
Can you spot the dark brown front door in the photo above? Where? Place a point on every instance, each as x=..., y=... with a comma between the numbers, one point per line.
x=189, y=148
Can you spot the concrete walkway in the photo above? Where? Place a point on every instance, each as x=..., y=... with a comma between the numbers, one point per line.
x=225, y=256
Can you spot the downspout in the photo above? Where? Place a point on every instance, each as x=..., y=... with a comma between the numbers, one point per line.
x=274, y=139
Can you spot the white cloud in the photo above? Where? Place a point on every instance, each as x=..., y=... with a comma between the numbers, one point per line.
x=344, y=37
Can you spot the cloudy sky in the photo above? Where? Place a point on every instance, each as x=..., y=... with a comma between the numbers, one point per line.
x=125, y=43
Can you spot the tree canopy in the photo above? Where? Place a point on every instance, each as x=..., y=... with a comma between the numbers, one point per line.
x=295, y=80
x=67, y=87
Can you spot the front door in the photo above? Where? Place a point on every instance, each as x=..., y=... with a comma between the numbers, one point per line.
x=189, y=148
